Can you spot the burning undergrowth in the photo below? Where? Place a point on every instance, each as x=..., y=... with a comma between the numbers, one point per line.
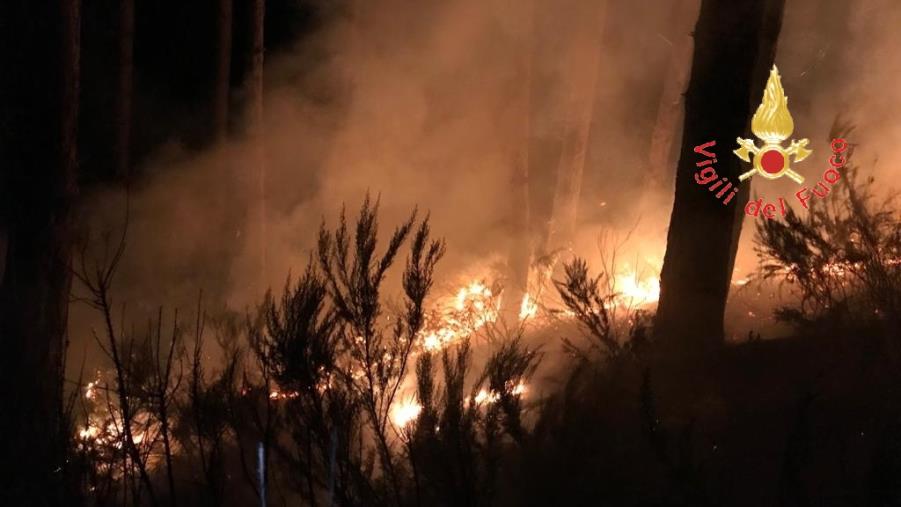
x=841, y=262
x=382, y=402
x=332, y=382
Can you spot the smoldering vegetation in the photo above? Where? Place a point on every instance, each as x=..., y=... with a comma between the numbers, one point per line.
x=431, y=111
x=357, y=332
x=330, y=392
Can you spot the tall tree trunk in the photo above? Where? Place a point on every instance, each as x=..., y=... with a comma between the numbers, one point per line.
x=735, y=43
x=223, y=69
x=254, y=90
x=124, y=93
x=582, y=63
x=771, y=24
x=39, y=43
x=670, y=109
x=519, y=257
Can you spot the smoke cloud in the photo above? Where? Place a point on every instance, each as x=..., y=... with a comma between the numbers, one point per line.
x=413, y=103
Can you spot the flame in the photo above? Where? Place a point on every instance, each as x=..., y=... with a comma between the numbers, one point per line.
x=277, y=395
x=640, y=292
x=636, y=289
x=109, y=433
x=103, y=429
x=89, y=432
x=405, y=412
x=772, y=122
x=484, y=396
x=528, y=308
x=90, y=391
x=472, y=294
x=473, y=306
x=487, y=397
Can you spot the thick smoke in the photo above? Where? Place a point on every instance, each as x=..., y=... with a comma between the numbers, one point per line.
x=412, y=102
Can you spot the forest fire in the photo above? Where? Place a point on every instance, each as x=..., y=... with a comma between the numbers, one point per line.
x=528, y=308
x=103, y=425
x=637, y=290
x=473, y=306
x=405, y=412
x=276, y=395
x=488, y=397
x=400, y=254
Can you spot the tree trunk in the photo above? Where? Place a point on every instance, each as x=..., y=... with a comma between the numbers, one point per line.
x=735, y=43
x=519, y=257
x=670, y=109
x=771, y=25
x=223, y=70
x=124, y=92
x=256, y=136
x=581, y=65
x=40, y=43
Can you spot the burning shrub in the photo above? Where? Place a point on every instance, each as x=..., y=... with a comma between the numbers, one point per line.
x=338, y=361
x=844, y=257
x=593, y=301
x=298, y=339
x=456, y=443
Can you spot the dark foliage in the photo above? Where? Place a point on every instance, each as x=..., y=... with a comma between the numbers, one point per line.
x=312, y=377
x=844, y=256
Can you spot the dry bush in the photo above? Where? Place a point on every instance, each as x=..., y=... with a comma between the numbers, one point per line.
x=457, y=444
x=593, y=302
x=311, y=376
x=844, y=256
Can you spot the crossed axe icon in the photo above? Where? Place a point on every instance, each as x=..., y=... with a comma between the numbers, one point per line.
x=772, y=160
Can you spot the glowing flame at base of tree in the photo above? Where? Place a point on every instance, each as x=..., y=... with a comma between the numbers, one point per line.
x=637, y=291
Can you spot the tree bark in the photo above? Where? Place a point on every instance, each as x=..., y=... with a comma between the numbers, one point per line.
x=670, y=109
x=223, y=70
x=735, y=43
x=124, y=85
x=255, y=134
x=581, y=65
x=771, y=25
x=519, y=257
x=40, y=44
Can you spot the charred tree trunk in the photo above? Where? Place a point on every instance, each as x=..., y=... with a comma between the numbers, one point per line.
x=126, y=37
x=39, y=42
x=254, y=88
x=581, y=64
x=735, y=43
x=223, y=70
x=771, y=25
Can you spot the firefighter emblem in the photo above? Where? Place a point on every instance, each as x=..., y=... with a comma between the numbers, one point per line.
x=772, y=124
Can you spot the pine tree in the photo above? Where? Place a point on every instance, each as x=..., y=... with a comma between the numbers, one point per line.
x=735, y=43
x=40, y=44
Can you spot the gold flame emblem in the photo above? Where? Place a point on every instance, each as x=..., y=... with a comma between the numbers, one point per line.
x=772, y=124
